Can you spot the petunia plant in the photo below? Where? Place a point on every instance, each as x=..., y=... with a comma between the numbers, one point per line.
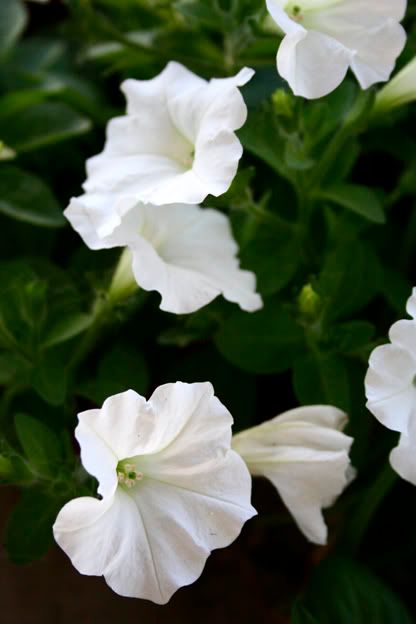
x=207, y=237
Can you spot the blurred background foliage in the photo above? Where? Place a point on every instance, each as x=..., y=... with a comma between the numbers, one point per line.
x=323, y=209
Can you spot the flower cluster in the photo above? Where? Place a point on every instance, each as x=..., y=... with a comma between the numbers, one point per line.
x=175, y=146
x=172, y=489
x=173, y=482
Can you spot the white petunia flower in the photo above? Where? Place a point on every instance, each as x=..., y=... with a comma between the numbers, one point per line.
x=172, y=490
x=177, y=142
x=184, y=252
x=399, y=91
x=305, y=455
x=390, y=380
x=323, y=38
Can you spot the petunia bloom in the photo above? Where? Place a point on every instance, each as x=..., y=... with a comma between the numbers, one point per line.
x=399, y=91
x=186, y=253
x=390, y=380
x=171, y=488
x=391, y=390
x=305, y=455
x=177, y=142
x=323, y=38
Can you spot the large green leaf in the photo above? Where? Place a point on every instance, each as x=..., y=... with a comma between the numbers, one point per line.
x=43, y=124
x=264, y=342
x=40, y=444
x=344, y=592
x=26, y=197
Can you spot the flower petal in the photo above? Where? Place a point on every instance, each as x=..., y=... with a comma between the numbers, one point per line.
x=108, y=538
x=194, y=260
x=389, y=386
x=122, y=424
x=369, y=30
x=403, y=456
x=312, y=63
x=305, y=455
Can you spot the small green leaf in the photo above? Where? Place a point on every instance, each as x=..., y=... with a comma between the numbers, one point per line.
x=29, y=530
x=50, y=378
x=349, y=280
x=66, y=328
x=13, y=18
x=40, y=444
x=264, y=342
x=43, y=124
x=25, y=197
x=359, y=199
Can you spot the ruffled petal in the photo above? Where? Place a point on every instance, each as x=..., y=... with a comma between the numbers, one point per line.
x=96, y=216
x=192, y=259
x=122, y=424
x=109, y=538
x=305, y=456
x=314, y=64
x=389, y=386
x=369, y=30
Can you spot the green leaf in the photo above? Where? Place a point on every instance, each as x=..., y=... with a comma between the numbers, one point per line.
x=260, y=136
x=120, y=369
x=66, y=328
x=264, y=342
x=29, y=530
x=320, y=378
x=344, y=592
x=273, y=255
x=40, y=445
x=50, y=377
x=25, y=197
x=350, y=278
x=43, y=124
x=351, y=336
x=359, y=199
x=13, y=18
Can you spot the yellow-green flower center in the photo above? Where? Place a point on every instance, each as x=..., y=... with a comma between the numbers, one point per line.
x=128, y=475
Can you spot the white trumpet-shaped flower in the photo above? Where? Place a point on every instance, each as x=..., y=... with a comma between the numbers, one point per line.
x=323, y=38
x=390, y=381
x=305, y=455
x=390, y=386
x=399, y=91
x=185, y=252
x=177, y=142
x=171, y=490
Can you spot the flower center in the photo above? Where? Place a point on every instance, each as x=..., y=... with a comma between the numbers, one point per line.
x=127, y=474
x=295, y=12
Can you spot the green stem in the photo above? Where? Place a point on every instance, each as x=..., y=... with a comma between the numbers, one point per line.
x=352, y=125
